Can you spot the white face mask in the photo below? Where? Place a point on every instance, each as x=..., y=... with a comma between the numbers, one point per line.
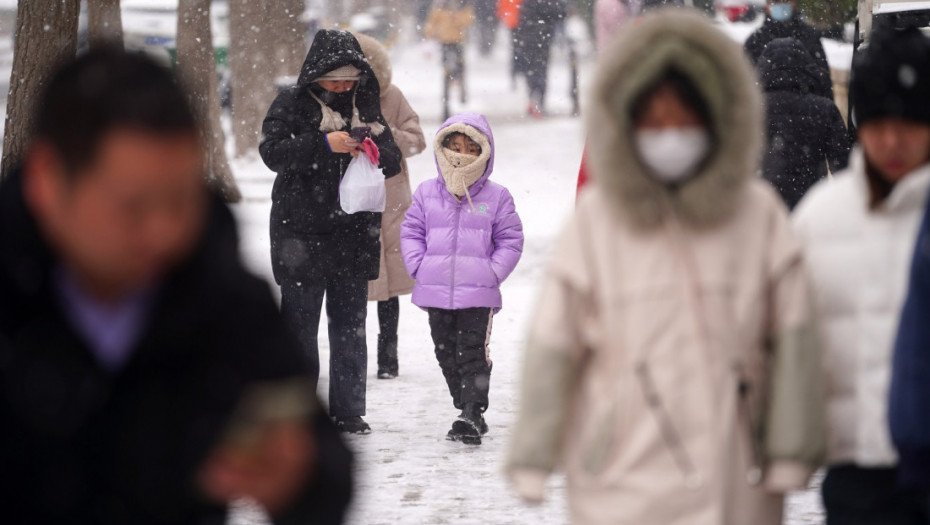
x=673, y=155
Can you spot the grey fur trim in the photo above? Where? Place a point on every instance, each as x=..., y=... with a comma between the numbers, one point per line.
x=722, y=73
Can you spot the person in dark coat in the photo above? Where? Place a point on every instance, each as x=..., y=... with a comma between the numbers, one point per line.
x=909, y=407
x=486, y=15
x=532, y=46
x=783, y=20
x=145, y=376
x=806, y=131
x=316, y=248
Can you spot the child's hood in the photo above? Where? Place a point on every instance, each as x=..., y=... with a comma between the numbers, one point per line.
x=476, y=127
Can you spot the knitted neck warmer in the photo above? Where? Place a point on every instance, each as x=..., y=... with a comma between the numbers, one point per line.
x=333, y=121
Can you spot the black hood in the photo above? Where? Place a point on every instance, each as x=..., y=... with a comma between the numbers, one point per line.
x=786, y=65
x=332, y=49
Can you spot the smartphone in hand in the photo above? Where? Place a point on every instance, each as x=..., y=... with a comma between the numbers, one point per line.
x=360, y=134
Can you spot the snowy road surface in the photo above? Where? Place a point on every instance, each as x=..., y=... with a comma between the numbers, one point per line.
x=407, y=472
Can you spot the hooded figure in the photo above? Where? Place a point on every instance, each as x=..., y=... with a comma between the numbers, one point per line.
x=794, y=28
x=670, y=368
x=461, y=239
x=310, y=234
x=532, y=43
x=316, y=248
x=806, y=131
x=445, y=235
x=393, y=279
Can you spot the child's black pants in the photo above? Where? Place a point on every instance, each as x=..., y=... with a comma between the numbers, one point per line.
x=461, y=338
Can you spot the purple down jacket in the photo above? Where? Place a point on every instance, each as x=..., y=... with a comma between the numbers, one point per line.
x=459, y=252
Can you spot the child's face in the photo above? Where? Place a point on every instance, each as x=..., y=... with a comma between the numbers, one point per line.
x=464, y=144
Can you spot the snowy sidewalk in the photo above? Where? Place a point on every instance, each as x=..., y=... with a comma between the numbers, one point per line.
x=407, y=472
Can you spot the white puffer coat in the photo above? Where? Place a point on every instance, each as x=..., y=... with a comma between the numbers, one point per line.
x=859, y=259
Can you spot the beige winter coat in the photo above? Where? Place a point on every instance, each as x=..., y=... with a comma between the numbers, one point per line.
x=672, y=360
x=393, y=279
x=448, y=25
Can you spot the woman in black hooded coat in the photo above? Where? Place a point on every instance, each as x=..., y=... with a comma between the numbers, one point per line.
x=316, y=248
x=806, y=132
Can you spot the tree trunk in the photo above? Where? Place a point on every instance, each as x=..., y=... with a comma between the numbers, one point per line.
x=46, y=35
x=250, y=47
x=197, y=70
x=286, y=24
x=105, y=23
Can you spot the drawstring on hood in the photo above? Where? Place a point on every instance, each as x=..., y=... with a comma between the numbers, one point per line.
x=333, y=121
x=461, y=171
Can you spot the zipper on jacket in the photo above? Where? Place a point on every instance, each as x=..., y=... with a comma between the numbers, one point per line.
x=670, y=435
x=455, y=249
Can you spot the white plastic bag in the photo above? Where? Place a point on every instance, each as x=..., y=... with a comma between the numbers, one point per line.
x=362, y=187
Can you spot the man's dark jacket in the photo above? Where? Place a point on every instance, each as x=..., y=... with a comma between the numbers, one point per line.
x=83, y=445
x=805, y=130
x=909, y=410
x=311, y=237
x=798, y=30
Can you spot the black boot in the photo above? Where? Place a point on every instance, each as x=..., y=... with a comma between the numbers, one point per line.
x=387, y=357
x=468, y=427
x=352, y=425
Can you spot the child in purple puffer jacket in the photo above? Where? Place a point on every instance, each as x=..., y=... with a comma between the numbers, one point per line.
x=461, y=238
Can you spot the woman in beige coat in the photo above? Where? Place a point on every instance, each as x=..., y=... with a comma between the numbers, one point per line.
x=671, y=368
x=393, y=280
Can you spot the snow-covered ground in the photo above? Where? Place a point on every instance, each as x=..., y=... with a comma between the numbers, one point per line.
x=407, y=471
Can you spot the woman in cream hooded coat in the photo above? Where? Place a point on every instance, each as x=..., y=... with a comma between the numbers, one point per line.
x=671, y=369
x=393, y=279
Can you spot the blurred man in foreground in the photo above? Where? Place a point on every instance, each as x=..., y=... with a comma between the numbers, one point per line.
x=145, y=376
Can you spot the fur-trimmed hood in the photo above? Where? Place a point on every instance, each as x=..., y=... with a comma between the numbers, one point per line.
x=379, y=58
x=718, y=68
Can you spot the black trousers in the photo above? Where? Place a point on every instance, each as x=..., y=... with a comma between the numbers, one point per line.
x=346, y=308
x=461, y=339
x=870, y=496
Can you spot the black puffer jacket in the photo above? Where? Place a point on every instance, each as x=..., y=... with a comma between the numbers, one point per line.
x=805, y=130
x=803, y=33
x=84, y=445
x=311, y=237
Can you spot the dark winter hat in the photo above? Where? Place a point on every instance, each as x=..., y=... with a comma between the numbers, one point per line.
x=891, y=78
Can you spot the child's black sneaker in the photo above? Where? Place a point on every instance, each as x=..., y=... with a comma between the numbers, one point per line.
x=468, y=427
x=352, y=425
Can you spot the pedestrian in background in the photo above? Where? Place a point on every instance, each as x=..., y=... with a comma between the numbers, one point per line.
x=318, y=250
x=859, y=232
x=783, y=20
x=806, y=133
x=533, y=43
x=448, y=23
x=486, y=15
x=393, y=279
x=671, y=367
